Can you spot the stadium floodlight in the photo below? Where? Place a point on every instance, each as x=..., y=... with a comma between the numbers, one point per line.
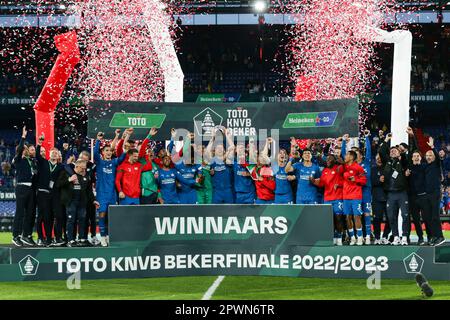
x=260, y=5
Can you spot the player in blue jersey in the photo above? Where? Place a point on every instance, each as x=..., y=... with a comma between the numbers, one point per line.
x=105, y=183
x=283, y=189
x=243, y=182
x=167, y=178
x=306, y=170
x=221, y=165
x=366, y=163
x=190, y=171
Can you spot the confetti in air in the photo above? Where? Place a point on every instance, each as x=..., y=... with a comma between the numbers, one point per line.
x=331, y=47
x=120, y=62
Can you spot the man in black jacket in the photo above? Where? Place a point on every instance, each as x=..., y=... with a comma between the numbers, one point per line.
x=433, y=179
x=91, y=218
x=48, y=197
x=416, y=174
x=395, y=184
x=76, y=193
x=26, y=173
x=379, y=203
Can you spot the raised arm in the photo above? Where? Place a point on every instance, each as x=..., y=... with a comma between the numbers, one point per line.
x=39, y=158
x=208, y=150
x=252, y=152
x=144, y=145
x=97, y=157
x=345, y=139
x=384, y=149
x=115, y=140
x=368, y=145
x=265, y=150
x=21, y=145
x=231, y=147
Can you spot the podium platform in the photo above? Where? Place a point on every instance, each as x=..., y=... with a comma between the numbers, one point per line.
x=201, y=240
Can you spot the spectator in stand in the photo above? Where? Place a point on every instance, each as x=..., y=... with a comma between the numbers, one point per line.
x=444, y=157
x=446, y=197
x=2, y=150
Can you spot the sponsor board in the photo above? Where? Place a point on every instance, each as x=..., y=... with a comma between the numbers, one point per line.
x=308, y=119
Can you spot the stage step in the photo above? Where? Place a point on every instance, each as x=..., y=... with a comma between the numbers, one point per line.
x=400, y=262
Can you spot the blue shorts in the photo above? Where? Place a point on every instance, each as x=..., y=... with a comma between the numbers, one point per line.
x=188, y=197
x=105, y=202
x=245, y=197
x=223, y=196
x=366, y=206
x=260, y=201
x=286, y=198
x=352, y=207
x=338, y=206
x=129, y=201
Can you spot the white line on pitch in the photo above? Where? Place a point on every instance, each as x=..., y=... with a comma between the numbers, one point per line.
x=209, y=293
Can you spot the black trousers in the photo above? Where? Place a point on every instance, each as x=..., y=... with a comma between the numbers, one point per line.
x=76, y=219
x=432, y=213
x=23, y=218
x=91, y=220
x=46, y=215
x=60, y=216
x=420, y=208
x=151, y=199
x=398, y=200
x=415, y=207
x=379, y=213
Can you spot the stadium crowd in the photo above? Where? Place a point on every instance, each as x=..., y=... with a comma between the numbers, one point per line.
x=68, y=191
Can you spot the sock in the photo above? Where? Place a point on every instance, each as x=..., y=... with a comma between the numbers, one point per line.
x=351, y=234
x=359, y=232
x=335, y=235
x=367, y=222
x=338, y=235
x=102, y=226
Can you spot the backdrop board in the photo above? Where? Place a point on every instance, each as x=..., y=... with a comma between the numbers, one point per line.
x=308, y=119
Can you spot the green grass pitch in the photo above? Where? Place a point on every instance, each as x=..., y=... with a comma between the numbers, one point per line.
x=232, y=287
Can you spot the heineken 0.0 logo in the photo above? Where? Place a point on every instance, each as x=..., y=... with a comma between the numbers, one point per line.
x=205, y=121
x=29, y=266
x=310, y=119
x=137, y=120
x=413, y=263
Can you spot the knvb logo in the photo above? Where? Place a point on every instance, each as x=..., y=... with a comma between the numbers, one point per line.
x=206, y=121
x=413, y=263
x=28, y=266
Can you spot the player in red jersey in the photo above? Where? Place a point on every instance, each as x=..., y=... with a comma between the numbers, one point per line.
x=332, y=182
x=354, y=180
